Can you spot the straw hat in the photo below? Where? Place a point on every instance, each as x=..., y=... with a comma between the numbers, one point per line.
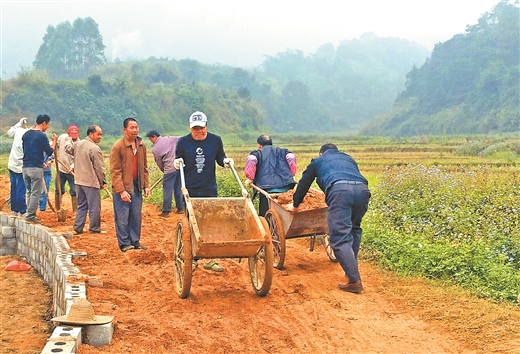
x=82, y=313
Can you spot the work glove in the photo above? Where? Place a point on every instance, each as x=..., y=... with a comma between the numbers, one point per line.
x=228, y=161
x=177, y=163
x=248, y=182
x=23, y=121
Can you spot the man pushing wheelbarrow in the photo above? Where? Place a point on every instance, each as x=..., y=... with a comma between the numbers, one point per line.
x=347, y=196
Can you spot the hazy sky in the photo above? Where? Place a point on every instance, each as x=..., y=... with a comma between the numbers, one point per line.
x=237, y=33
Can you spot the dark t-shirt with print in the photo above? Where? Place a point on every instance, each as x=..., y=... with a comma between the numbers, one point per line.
x=199, y=158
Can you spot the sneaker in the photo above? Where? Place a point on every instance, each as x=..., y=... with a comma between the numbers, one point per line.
x=164, y=214
x=138, y=246
x=212, y=265
x=355, y=288
x=180, y=211
x=127, y=248
x=77, y=232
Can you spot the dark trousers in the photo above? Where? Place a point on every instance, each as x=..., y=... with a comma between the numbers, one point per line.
x=66, y=178
x=17, y=195
x=347, y=204
x=128, y=218
x=89, y=201
x=172, y=185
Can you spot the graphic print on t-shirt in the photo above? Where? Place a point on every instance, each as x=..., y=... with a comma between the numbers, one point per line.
x=199, y=159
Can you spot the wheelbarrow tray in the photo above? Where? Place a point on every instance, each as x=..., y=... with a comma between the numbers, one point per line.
x=302, y=223
x=225, y=227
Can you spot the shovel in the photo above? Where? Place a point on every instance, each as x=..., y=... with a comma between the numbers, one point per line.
x=3, y=202
x=49, y=200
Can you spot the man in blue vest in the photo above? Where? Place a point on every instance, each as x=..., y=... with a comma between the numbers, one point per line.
x=347, y=195
x=270, y=168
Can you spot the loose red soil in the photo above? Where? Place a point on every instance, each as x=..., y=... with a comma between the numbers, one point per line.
x=303, y=313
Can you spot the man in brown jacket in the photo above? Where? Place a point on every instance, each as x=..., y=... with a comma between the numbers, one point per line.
x=89, y=167
x=129, y=174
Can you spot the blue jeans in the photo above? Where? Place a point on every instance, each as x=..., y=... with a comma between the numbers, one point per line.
x=64, y=178
x=128, y=218
x=18, y=202
x=33, y=178
x=172, y=185
x=347, y=204
x=47, y=177
x=89, y=200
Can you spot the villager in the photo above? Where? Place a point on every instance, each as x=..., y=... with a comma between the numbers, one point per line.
x=129, y=174
x=47, y=178
x=347, y=196
x=270, y=168
x=89, y=167
x=14, y=165
x=163, y=151
x=65, y=166
x=199, y=151
x=35, y=143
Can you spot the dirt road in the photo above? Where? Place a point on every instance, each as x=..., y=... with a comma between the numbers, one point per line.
x=303, y=313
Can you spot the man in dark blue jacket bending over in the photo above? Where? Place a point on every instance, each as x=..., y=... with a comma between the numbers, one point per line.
x=347, y=195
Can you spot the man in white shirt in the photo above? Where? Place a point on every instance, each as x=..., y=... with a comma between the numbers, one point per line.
x=18, y=201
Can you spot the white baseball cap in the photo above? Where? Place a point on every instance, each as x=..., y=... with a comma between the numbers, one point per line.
x=198, y=119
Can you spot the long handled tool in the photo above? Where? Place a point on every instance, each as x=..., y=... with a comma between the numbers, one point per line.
x=156, y=183
x=62, y=215
x=48, y=199
x=3, y=202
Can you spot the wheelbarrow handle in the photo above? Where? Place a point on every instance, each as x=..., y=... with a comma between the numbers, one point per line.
x=258, y=189
x=245, y=193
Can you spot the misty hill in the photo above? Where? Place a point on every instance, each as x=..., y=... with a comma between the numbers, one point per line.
x=334, y=89
x=469, y=85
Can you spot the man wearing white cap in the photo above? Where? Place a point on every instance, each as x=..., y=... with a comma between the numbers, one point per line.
x=199, y=151
x=66, y=166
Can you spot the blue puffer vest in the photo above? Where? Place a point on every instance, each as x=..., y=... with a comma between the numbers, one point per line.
x=272, y=170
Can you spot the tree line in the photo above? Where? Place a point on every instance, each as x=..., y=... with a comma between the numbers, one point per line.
x=379, y=86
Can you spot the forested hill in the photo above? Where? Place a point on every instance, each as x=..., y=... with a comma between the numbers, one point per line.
x=334, y=89
x=469, y=85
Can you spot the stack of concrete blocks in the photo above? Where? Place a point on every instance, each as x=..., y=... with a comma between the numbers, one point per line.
x=50, y=255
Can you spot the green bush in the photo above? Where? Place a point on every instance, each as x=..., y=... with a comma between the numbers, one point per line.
x=463, y=227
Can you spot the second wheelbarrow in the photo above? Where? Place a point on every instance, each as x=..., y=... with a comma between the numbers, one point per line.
x=285, y=225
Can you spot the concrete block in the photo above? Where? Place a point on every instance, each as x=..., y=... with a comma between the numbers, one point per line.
x=98, y=335
x=67, y=333
x=62, y=347
x=7, y=251
x=8, y=232
x=8, y=242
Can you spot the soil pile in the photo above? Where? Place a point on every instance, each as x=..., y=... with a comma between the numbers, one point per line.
x=314, y=199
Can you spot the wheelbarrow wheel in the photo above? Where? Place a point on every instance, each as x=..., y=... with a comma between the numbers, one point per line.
x=277, y=236
x=261, y=266
x=328, y=248
x=182, y=258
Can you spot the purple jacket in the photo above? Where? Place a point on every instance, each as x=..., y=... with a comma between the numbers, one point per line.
x=164, y=152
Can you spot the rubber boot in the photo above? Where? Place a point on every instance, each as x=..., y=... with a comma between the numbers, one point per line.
x=74, y=203
x=57, y=202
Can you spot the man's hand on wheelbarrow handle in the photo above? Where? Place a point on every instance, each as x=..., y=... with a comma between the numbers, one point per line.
x=177, y=163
